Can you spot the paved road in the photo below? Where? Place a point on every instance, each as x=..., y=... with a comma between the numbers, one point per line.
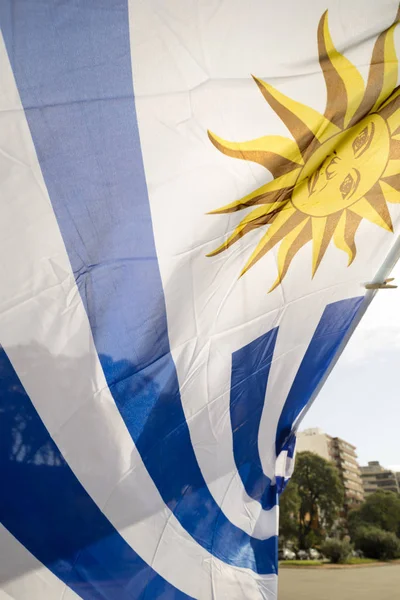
x=366, y=583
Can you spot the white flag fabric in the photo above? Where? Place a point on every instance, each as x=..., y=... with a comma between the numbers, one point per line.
x=194, y=194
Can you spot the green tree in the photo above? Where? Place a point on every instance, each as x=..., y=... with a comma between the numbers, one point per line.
x=354, y=522
x=381, y=509
x=338, y=551
x=289, y=506
x=377, y=543
x=321, y=496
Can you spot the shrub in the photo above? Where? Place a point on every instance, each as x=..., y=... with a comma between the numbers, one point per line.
x=312, y=539
x=338, y=551
x=377, y=543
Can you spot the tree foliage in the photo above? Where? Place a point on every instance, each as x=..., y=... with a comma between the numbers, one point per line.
x=354, y=522
x=288, y=512
x=377, y=543
x=315, y=499
x=338, y=551
x=381, y=509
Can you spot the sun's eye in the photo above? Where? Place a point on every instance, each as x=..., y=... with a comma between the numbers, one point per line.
x=349, y=184
x=363, y=140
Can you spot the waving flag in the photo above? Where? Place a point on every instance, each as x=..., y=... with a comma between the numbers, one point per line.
x=185, y=249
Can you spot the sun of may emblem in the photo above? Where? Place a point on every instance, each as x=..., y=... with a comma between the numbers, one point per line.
x=341, y=167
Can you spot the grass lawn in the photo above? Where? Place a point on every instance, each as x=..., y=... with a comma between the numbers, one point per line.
x=320, y=563
x=300, y=563
x=360, y=561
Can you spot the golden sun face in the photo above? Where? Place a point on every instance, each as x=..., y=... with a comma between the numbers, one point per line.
x=340, y=168
x=343, y=169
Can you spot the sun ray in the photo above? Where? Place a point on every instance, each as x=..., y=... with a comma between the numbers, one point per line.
x=390, y=112
x=283, y=224
x=392, y=180
x=276, y=190
x=392, y=168
x=262, y=215
x=345, y=233
x=344, y=84
x=382, y=77
x=395, y=94
x=256, y=198
x=323, y=229
x=308, y=127
x=289, y=247
x=389, y=108
x=376, y=199
x=390, y=105
x=390, y=192
x=284, y=181
x=276, y=153
x=384, y=59
x=373, y=209
x=393, y=121
x=392, y=98
x=394, y=152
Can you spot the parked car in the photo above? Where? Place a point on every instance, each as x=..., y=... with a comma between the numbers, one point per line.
x=313, y=554
x=286, y=554
x=302, y=555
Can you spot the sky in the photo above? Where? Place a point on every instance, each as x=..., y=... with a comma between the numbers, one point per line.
x=360, y=401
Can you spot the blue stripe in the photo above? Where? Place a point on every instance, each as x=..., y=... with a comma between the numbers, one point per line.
x=332, y=328
x=45, y=507
x=71, y=61
x=250, y=371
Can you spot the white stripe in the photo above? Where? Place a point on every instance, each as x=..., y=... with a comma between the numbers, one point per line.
x=45, y=331
x=296, y=329
x=23, y=577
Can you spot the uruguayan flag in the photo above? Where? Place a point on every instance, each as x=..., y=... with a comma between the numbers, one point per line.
x=184, y=253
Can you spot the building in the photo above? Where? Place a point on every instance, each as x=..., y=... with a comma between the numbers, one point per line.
x=314, y=440
x=375, y=477
x=342, y=455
